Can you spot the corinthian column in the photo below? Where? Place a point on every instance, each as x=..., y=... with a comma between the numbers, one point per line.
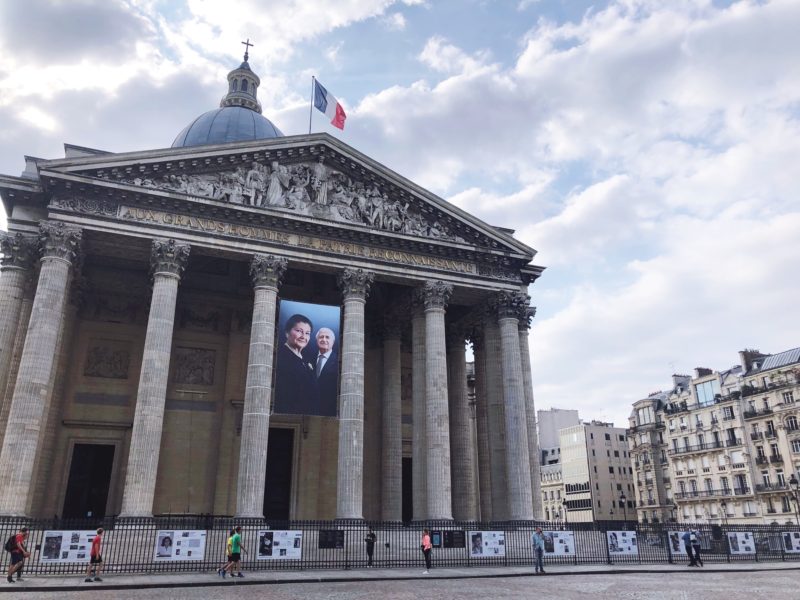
x=437, y=421
x=59, y=245
x=419, y=469
x=168, y=260
x=530, y=412
x=354, y=284
x=266, y=272
x=19, y=252
x=392, y=463
x=482, y=426
x=518, y=467
x=495, y=413
x=462, y=452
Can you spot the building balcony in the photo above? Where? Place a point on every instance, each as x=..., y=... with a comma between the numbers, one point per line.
x=775, y=458
x=742, y=491
x=756, y=435
x=755, y=413
x=763, y=488
x=770, y=434
x=697, y=448
x=665, y=480
x=771, y=511
x=733, y=442
x=762, y=460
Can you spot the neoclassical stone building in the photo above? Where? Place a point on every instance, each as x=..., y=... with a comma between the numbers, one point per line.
x=138, y=303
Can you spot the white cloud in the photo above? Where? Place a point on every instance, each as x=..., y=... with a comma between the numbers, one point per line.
x=395, y=21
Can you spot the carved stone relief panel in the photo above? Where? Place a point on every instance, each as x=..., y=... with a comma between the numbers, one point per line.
x=203, y=318
x=109, y=359
x=311, y=189
x=194, y=366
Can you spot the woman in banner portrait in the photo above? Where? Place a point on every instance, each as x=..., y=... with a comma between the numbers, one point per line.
x=295, y=382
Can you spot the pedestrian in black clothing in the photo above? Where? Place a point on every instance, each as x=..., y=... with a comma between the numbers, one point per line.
x=370, y=541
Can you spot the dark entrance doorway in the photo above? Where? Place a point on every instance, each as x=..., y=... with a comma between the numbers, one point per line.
x=408, y=492
x=89, y=480
x=278, y=489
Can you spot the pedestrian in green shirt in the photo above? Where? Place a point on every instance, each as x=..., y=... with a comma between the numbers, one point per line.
x=236, y=551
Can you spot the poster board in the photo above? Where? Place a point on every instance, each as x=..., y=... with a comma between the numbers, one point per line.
x=487, y=544
x=622, y=543
x=180, y=544
x=676, y=545
x=741, y=542
x=330, y=539
x=280, y=545
x=559, y=543
x=66, y=546
x=455, y=538
x=791, y=541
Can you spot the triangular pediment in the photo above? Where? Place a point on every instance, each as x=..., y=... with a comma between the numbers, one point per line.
x=306, y=177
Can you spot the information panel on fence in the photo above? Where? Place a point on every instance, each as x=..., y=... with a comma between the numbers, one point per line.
x=791, y=541
x=487, y=543
x=280, y=545
x=559, y=543
x=66, y=546
x=180, y=544
x=622, y=543
x=741, y=542
x=454, y=538
x=331, y=539
x=676, y=544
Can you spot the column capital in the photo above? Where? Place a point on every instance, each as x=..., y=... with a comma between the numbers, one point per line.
x=58, y=240
x=355, y=283
x=168, y=256
x=19, y=250
x=267, y=270
x=526, y=317
x=436, y=294
x=511, y=305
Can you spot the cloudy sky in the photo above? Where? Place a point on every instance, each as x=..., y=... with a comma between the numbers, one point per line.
x=647, y=149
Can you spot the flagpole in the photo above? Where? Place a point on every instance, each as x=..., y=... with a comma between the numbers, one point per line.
x=311, y=106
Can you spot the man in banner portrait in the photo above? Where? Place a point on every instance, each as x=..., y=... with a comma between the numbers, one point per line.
x=307, y=364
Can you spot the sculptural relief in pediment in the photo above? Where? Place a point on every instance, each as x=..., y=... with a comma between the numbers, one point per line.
x=312, y=189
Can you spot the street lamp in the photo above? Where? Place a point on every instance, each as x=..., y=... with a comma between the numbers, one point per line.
x=724, y=506
x=566, y=516
x=795, y=486
x=622, y=500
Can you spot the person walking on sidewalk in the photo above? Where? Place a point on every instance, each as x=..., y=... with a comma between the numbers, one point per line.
x=370, y=541
x=537, y=540
x=687, y=544
x=236, y=552
x=223, y=570
x=426, y=550
x=95, y=558
x=695, y=540
x=16, y=546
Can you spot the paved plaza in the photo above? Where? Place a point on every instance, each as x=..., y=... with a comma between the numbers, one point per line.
x=775, y=582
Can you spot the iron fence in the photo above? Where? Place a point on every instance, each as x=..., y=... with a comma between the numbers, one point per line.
x=130, y=544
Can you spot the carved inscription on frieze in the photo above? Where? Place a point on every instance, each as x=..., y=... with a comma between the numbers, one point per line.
x=107, y=359
x=194, y=366
x=253, y=232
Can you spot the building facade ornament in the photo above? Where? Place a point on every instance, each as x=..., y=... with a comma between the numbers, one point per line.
x=525, y=318
x=169, y=256
x=307, y=188
x=355, y=283
x=18, y=250
x=436, y=294
x=267, y=270
x=59, y=240
x=511, y=305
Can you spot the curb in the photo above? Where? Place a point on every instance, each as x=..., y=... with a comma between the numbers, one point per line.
x=354, y=579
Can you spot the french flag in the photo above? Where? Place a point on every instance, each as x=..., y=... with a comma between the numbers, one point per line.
x=325, y=102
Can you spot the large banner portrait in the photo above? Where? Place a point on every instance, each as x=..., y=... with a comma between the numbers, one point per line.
x=559, y=543
x=280, y=545
x=66, y=546
x=175, y=544
x=622, y=543
x=307, y=359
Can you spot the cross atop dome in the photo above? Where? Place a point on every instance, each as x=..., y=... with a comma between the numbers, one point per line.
x=247, y=45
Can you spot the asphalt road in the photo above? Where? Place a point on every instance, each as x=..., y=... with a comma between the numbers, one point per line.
x=695, y=585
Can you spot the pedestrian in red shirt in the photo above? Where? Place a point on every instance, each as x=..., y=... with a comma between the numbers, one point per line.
x=18, y=554
x=95, y=558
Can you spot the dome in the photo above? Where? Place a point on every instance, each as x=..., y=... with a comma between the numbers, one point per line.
x=226, y=124
x=238, y=118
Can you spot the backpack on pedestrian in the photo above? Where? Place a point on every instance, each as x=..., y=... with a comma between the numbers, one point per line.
x=11, y=543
